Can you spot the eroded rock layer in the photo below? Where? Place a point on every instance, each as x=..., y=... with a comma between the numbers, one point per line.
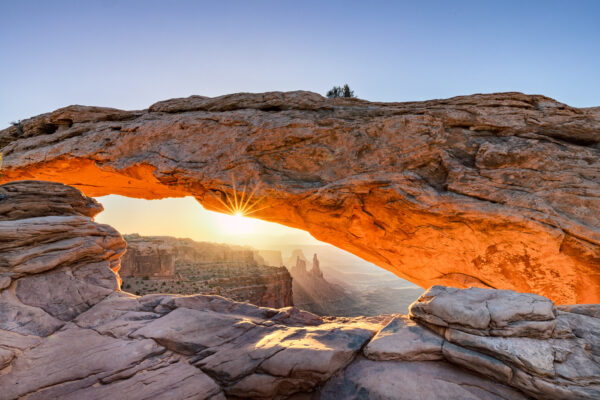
x=518, y=339
x=67, y=332
x=498, y=190
x=163, y=264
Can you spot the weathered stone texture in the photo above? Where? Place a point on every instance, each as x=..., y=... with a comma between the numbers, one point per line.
x=66, y=331
x=237, y=272
x=518, y=339
x=496, y=190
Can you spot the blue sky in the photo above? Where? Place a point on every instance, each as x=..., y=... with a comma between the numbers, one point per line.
x=129, y=54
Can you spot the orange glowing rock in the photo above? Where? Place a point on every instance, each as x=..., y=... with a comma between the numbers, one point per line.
x=498, y=190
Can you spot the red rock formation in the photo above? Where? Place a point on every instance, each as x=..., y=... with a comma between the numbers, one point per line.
x=497, y=190
x=67, y=332
x=273, y=289
x=203, y=267
x=316, y=269
x=155, y=256
x=300, y=268
x=269, y=257
x=148, y=259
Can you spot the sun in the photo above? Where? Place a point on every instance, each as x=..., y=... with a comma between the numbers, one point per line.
x=239, y=204
x=237, y=207
x=236, y=224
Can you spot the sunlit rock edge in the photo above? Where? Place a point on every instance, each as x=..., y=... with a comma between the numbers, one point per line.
x=67, y=331
x=490, y=190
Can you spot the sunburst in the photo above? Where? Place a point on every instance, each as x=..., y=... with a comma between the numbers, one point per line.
x=240, y=204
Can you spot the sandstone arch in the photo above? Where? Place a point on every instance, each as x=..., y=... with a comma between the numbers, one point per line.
x=498, y=190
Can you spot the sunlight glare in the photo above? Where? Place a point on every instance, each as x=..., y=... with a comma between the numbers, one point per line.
x=185, y=217
x=236, y=224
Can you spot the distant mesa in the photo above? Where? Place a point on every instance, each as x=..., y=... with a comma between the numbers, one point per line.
x=269, y=257
x=163, y=264
x=147, y=257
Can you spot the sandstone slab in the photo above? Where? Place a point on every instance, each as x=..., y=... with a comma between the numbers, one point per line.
x=62, y=295
x=190, y=331
x=13, y=340
x=402, y=380
x=23, y=319
x=175, y=380
x=592, y=310
x=518, y=339
x=72, y=354
x=404, y=340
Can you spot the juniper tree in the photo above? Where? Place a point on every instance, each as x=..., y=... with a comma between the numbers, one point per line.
x=339, y=91
x=347, y=91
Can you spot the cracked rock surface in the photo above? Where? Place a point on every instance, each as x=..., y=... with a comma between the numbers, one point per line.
x=493, y=190
x=521, y=340
x=67, y=331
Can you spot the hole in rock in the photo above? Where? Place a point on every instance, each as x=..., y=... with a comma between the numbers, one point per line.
x=177, y=246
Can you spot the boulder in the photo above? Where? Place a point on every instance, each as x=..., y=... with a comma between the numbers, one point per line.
x=518, y=339
x=404, y=340
x=486, y=312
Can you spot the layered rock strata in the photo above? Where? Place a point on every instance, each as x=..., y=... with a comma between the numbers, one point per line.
x=521, y=340
x=497, y=190
x=67, y=332
x=55, y=262
x=148, y=258
x=163, y=264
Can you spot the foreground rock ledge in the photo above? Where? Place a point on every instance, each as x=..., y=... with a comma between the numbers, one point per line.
x=67, y=332
x=497, y=190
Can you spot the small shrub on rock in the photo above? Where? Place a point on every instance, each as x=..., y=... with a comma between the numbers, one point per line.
x=340, y=91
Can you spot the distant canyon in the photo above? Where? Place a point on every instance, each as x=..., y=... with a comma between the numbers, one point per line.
x=163, y=264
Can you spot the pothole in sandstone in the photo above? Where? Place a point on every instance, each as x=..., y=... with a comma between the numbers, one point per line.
x=176, y=246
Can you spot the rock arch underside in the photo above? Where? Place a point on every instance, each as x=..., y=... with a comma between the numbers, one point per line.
x=496, y=191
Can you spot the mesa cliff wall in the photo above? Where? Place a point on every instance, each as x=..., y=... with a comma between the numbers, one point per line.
x=162, y=264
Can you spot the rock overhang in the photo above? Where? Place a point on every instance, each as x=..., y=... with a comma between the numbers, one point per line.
x=62, y=325
x=495, y=190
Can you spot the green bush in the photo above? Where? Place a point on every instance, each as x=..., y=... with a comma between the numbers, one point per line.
x=340, y=91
